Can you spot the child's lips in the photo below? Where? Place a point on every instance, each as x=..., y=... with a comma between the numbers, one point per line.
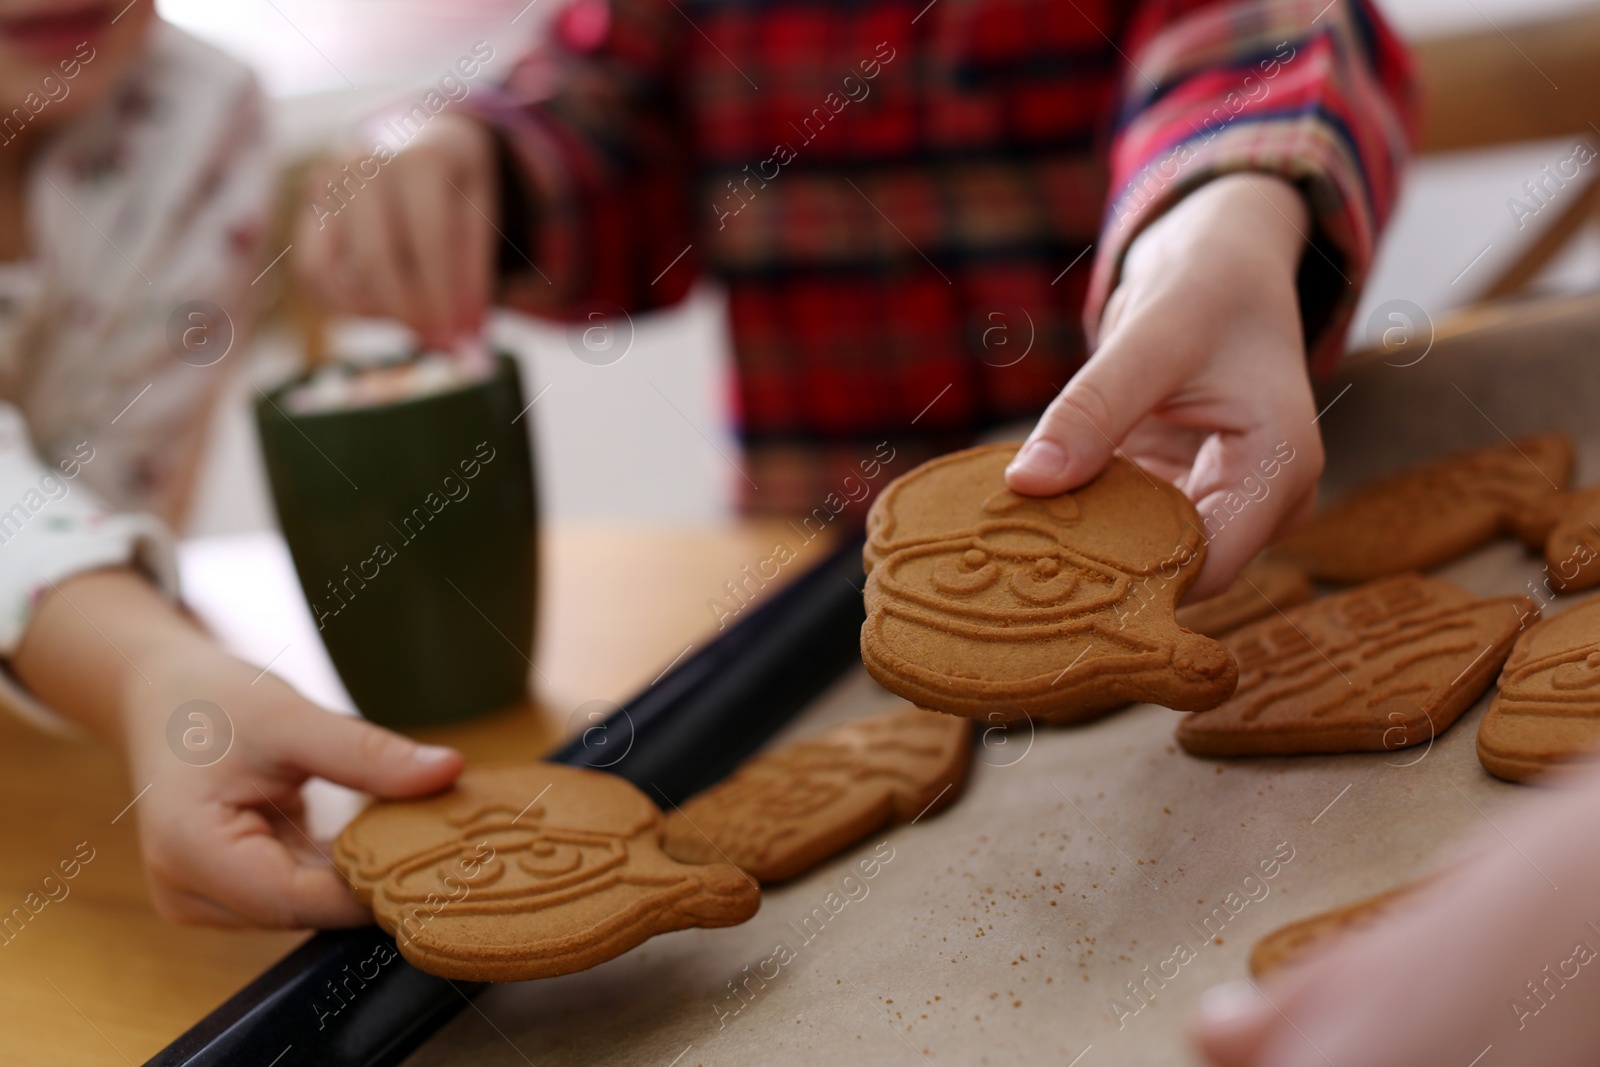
x=56, y=34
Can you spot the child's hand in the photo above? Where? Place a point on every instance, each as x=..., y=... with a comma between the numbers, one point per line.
x=1501, y=951
x=1200, y=375
x=412, y=238
x=224, y=842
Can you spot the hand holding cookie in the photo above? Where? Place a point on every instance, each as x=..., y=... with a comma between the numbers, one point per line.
x=1200, y=373
x=225, y=842
x=218, y=750
x=985, y=603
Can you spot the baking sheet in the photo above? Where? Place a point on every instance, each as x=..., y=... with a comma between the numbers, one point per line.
x=1079, y=860
x=1004, y=928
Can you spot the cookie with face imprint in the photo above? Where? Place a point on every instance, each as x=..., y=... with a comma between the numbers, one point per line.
x=529, y=871
x=985, y=603
x=783, y=812
x=1379, y=667
x=1547, y=710
x=1428, y=515
x=1299, y=941
x=1265, y=588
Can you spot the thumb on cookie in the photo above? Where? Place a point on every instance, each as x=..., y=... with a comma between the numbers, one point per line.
x=1079, y=431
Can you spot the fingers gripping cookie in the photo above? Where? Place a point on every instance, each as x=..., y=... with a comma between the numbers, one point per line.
x=981, y=601
x=529, y=871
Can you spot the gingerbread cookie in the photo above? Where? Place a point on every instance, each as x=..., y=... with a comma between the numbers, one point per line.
x=985, y=603
x=1572, y=550
x=785, y=811
x=1379, y=667
x=529, y=871
x=1265, y=588
x=1292, y=944
x=1431, y=514
x=1548, y=708
x=1532, y=525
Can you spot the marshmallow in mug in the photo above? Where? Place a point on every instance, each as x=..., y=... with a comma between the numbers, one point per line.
x=339, y=387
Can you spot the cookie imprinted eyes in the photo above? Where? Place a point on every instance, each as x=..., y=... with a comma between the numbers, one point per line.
x=972, y=573
x=1584, y=674
x=547, y=859
x=480, y=874
x=1046, y=582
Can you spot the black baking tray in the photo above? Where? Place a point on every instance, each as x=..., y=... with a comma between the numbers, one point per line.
x=317, y=1007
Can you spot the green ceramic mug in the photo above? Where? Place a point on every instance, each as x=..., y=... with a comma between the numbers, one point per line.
x=412, y=526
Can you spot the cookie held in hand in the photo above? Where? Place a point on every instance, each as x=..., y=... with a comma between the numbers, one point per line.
x=985, y=603
x=1431, y=514
x=529, y=871
x=1265, y=588
x=783, y=812
x=1547, y=710
x=1379, y=667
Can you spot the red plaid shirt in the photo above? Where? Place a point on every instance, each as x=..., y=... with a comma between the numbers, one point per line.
x=916, y=206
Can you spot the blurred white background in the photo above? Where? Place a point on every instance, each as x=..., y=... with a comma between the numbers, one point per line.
x=608, y=446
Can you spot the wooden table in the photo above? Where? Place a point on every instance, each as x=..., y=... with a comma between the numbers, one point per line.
x=97, y=977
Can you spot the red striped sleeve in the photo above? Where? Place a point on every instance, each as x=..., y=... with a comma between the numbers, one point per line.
x=591, y=124
x=1320, y=93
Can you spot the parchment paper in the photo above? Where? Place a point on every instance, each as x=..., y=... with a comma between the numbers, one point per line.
x=1009, y=927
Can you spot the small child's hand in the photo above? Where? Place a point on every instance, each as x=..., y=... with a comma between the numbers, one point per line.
x=224, y=842
x=1200, y=376
x=411, y=238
